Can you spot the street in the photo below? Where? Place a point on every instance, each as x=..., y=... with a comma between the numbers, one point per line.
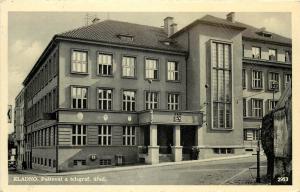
x=230, y=171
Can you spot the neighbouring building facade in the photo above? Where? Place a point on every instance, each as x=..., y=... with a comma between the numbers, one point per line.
x=120, y=93
x=19, y=129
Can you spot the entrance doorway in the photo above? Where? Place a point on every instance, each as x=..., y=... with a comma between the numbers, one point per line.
x=165, y=139
x=187, y=141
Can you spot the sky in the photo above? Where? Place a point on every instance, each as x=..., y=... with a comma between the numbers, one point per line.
x=30, y=32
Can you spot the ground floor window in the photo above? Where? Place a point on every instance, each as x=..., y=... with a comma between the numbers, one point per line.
x=223, y=150
x=79, y=135
x=105, y=162
x=79, y=162
x=251, y=134
x=104, y=135
x=128, y=135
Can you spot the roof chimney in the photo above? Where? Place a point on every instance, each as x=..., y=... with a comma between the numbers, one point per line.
x=263, y=29
x=95, y=20
x=173, y=28
x=168, y=21
x=230, y=17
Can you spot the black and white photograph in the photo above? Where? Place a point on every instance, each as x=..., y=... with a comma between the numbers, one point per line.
x=150, y=98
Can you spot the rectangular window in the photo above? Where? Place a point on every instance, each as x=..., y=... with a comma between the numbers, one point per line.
x=151, y=100
x=257, y=107
x=244, y=107
x=173, y=71
x=105, y=162
x=54, y=163
x=79, y=162
x=257, y=79
x=223, y=150
x=221, y=85
x=288, y=58
x=50, y=163
x=244, y=78
x=105, y=99
x=272, y=54
x=251, y=134
x=256, y=54
x=272, y=104
x=128, y=66
x=128, y=135
x=104, y=64
x=151, y=69
x=129, y=100
x=79, y=61
x=287, y=79
x=79, y=135
x=173, y=101
x=104, y=135
x=273, y=79
x=79, y=97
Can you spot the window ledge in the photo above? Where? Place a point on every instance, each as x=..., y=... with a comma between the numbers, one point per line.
x=255, y=118
x=151, y=79
x=100, y=75
x=257, y=88
x=222, y=129
x=173, y=81
x=128, y=77
x=79, y=73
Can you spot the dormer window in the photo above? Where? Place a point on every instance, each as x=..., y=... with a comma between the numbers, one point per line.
x=167, y=42
x=265, y=34
x=125, y=37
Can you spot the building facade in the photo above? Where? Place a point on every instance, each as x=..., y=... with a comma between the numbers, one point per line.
x=120, y=93
x=19, y=129
x=265, y=62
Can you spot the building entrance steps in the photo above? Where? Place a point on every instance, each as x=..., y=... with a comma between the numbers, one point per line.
x=165, y=158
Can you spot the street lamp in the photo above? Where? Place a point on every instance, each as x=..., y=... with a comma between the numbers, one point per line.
x=274, y=88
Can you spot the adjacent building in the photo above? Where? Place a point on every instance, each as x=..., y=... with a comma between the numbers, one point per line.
x=19, y=129
x=120, y=93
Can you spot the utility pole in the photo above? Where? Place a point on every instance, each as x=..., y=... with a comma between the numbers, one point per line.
x=274, y=88
x=258, y=161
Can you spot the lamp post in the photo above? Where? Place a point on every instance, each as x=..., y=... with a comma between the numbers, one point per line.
x=274, y=88
x=258, y=155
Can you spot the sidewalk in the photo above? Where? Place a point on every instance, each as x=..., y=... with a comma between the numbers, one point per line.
x=125, y=168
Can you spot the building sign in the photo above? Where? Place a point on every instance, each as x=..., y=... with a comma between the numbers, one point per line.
x=9, y=113
x=177, y=117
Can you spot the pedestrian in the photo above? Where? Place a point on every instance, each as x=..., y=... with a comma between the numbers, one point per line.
x=23, y=165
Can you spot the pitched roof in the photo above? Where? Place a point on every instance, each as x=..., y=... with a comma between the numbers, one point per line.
x=253, y=33
x=249, y=32
x=211, y=20
x=109, y=31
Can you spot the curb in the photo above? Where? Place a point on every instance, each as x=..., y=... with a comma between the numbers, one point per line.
x=104, y=170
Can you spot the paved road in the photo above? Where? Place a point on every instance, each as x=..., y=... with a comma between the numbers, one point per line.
x=233, y=171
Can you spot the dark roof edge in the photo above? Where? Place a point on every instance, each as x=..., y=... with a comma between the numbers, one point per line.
x=37, y=63
x=267, y=41
x=207, y=23
x=19, y=94
x=179, y=52
x=277, y=64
